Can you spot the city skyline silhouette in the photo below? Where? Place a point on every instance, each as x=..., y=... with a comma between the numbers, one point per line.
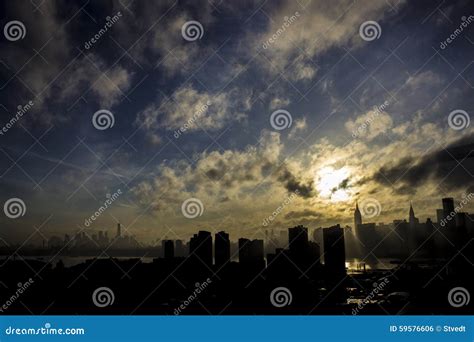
x=182, y=157
x=425, y=257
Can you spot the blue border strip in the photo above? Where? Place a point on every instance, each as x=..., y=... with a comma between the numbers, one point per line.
x=240, y=328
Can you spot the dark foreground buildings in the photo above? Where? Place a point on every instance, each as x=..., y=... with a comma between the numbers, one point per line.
x=222, y=249
x=422, y=262
x=334, y=252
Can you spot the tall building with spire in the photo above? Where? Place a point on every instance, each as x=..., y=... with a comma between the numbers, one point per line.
x=357, y=217
x=413, y=221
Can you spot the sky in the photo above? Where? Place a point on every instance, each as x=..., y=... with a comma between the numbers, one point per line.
x=241, y=116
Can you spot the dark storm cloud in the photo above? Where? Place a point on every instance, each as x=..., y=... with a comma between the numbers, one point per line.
x=293, y=184
x=452, y=167
x=344, y=185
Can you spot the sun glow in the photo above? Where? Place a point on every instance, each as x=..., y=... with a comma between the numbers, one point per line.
x=332, y=184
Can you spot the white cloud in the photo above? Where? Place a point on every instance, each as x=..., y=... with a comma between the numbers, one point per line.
x=369, y=125
x=109, y=86
x=298, y=126
x=278, y=103
x=194, y=110
x=216, y=177
x=427, y=78
x=162, y=44
x=318, y=28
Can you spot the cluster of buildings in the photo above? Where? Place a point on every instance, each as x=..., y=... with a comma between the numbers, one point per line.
x=402, y=239
x=294, y=249
x=81, y=241
x=412, y=238
x=299, y=254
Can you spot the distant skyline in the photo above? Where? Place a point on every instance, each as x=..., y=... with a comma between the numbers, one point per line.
x=448, y=207
x=281, y=107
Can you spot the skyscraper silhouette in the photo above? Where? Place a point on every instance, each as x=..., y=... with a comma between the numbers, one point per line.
x=298, y=240
x=221, y=249
x=168, y=248
x=448, y=205
x=356, y=233
x=251, y=251
x=179, y=248
x=357, y=217
x=200, y=247
x=412, y=220
x=334, y=251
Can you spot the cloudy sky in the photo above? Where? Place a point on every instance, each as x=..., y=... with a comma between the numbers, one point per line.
x=243, y=107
